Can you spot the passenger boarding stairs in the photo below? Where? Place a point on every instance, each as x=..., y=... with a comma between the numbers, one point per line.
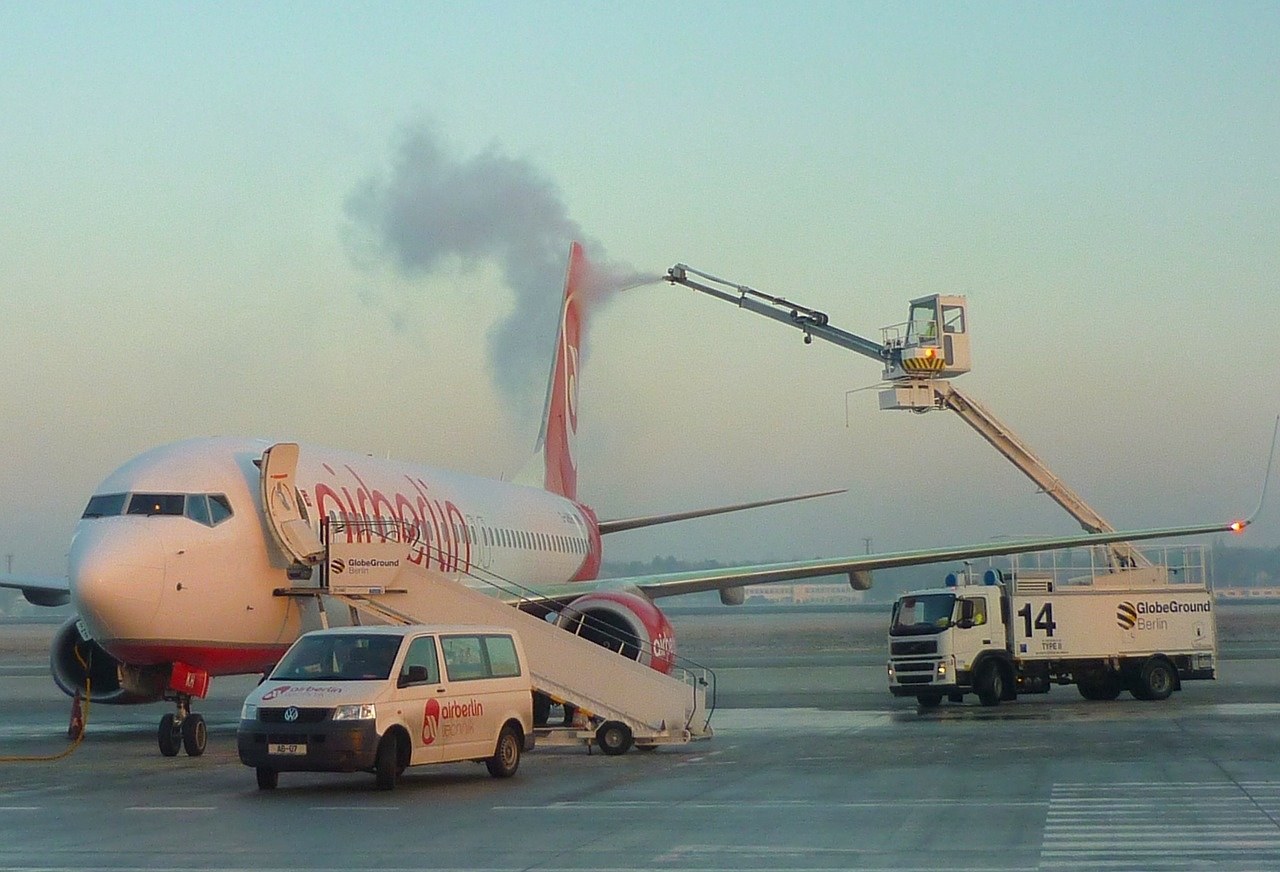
x=371, y=568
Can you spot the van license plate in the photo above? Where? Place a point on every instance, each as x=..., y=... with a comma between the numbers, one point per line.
x=289, y=748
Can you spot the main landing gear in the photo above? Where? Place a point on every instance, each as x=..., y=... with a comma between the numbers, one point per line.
x=183, y=730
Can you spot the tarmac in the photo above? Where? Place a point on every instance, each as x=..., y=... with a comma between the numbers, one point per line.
x=813, y=766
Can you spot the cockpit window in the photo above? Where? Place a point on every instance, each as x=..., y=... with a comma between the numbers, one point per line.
x=219, y=508
x=156, y=504
x=104, y=505
x=198, y=509
x=207, y=509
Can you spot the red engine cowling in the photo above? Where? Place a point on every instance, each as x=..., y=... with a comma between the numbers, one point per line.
x=626, y=622
x=73, y=658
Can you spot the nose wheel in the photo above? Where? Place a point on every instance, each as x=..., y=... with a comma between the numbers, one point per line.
x=182, y=731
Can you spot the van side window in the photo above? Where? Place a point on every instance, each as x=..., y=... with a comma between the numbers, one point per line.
x=463, y=657
x=503, y=662
x=422, y=652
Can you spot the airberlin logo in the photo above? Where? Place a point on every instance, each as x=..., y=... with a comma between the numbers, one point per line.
x=337, y=565
x=452, y=714
x=1146, y=616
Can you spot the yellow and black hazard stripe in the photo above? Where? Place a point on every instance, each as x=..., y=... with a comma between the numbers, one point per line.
x=923, y=365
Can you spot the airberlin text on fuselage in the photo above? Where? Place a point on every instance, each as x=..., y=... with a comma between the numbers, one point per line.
x=445, y=541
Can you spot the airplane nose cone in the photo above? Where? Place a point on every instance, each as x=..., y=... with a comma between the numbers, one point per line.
x=117, y=571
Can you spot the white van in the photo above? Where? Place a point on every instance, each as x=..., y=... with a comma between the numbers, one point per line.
x=381, y=699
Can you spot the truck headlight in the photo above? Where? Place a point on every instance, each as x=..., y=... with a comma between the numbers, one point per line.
x=942, y=669
x=891, y=670
x=248, y=712
x=364, y=711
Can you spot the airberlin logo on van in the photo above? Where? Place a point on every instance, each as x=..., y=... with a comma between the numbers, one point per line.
x=1129, y=615
x=337, y=565
x=453, y=714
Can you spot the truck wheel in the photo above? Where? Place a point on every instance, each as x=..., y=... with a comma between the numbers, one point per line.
x=929, y=700
x=506, y=757
x=1100, y=688
x=386, y=766
x=267, y=778
x=614, y=738
x=990, y=684
x=1156, y=679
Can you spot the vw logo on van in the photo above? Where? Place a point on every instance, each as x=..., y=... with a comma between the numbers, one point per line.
x=291, y=713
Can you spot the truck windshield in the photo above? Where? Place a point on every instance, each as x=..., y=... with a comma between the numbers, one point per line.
x=926, y=613
x=339, y=657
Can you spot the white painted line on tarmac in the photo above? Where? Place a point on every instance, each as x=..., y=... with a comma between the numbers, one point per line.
x=799, y=804
x=172, y=808
x=21, y=808
x=355, y=808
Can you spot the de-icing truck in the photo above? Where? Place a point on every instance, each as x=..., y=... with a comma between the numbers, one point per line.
x=1144, y=629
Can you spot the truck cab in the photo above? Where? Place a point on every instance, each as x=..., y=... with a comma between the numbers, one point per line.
x=941, y=640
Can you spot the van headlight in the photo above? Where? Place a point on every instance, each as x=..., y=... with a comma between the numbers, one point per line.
x=364, y=711
x=248, y=712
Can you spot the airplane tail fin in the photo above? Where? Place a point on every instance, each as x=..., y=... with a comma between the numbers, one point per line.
x=559, y=473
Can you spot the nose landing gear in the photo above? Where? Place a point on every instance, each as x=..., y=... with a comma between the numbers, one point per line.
x=183, y=730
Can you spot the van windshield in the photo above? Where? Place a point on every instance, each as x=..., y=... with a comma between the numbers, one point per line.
x=339, y=657
x=918, y=615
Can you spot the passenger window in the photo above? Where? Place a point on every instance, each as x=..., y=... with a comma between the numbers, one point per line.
x=156, y=504
x=219, y=508
x=503, y=662
x=422, y=653
x=463, y=657
x=198, y=509
x=953, y=319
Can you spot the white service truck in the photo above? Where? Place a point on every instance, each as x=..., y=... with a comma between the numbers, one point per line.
x=1142, y=629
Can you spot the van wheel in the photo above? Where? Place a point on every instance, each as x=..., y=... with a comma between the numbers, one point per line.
x=506, y=757
x=990, y=683
x=267, y=778
x=614, y=738
x=386, y=767
x=1156, y=679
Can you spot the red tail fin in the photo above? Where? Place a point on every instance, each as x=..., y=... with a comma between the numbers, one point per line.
x=560, y=421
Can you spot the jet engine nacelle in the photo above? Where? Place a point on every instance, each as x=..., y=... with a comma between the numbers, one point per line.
x=73, y=658
x=625, y=622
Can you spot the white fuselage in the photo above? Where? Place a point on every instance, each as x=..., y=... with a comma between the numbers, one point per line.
x=175, y=586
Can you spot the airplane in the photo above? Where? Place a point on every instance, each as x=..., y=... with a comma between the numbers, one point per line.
x=174, y=564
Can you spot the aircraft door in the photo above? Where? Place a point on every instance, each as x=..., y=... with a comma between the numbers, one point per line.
x=282, y=506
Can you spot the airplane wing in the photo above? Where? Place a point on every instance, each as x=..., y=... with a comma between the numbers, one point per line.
x=39, y=591
x=617, y=526
x=675, y=584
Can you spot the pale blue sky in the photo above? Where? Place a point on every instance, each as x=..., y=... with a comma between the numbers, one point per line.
x=1100, y=179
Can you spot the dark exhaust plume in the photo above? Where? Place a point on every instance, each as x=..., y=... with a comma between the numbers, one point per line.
x=432, y=208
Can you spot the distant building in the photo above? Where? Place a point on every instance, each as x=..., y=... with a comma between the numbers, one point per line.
x=805, y=593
